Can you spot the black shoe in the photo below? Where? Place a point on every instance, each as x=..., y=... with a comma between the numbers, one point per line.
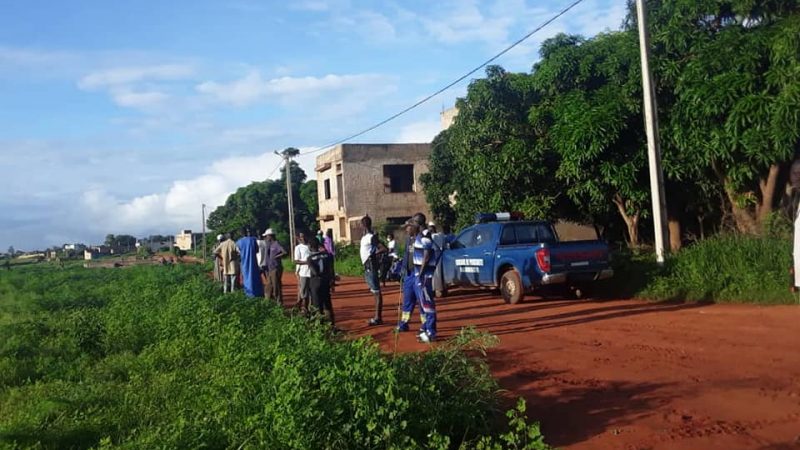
x=374, y=322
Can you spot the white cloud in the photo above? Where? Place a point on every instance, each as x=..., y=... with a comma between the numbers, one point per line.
x=26, y=57
x=416, y=132
x=129, y=75
x=253, y=87
x=136, y=86
x=178, y=207
x=139, y=100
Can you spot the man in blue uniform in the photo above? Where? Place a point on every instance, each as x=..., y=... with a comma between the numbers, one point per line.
x=424, y=267
x=251, y=275
x=409, y=281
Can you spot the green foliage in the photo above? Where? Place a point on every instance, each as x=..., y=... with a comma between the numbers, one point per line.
x=567, y=140
x=727, y=268
x=264, y=204
x=157, y=357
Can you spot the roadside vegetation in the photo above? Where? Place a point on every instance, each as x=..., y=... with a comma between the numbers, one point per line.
x=156, y=357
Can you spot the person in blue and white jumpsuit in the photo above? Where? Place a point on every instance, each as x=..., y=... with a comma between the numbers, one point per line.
x=424, y=267
x=409, y=282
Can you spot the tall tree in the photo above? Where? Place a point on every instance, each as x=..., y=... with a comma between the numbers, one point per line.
x=591, y=117
x=264, y=204
x=733, y=67
x=489, y=159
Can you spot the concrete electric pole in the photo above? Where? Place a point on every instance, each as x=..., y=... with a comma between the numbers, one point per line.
x=651, y=126
x=204, y=232
x=287, y=156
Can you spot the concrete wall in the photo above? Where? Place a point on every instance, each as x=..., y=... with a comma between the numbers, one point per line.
x=361, y=167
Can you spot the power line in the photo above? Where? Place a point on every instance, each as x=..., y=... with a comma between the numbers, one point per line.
x=455, y=82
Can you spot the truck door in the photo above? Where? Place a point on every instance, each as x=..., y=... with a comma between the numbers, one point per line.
x=454, y=259
x=477, y=260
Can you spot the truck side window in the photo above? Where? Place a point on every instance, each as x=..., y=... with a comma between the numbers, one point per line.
x=464, y=240
x=544, y=233
x=508, y=237
x=526, y=233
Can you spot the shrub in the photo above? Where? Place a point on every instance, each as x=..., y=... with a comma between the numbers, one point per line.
x=159, y=358
x=726, y=268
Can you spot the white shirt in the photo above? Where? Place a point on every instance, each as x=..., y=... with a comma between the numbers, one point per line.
x=367, y=249
x=262, y=252
x=301, y=253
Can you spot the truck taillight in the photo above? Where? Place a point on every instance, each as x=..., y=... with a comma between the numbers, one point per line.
x=543, y=258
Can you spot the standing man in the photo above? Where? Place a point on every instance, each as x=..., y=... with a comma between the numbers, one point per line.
x=370, y=251
x=424, y=267
x=439, y=240
x=320, y=264
x=409, y=281
x=303, y=272
x=331, y=249
x=228, y=254
x=262, y=262
x=274, y=266
x=218, y=272
x=251, y=275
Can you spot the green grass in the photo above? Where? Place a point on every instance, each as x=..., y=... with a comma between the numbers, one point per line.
x=157, y=357
x=725, y=269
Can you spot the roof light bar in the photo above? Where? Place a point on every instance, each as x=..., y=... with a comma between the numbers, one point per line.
x=497, y=217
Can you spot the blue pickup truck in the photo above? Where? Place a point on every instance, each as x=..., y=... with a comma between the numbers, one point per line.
x=519, y=256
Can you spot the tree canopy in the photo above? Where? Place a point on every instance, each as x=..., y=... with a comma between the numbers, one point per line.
x=264, y=204
x=567, y=139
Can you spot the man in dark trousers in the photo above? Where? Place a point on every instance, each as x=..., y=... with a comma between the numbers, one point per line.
x=320, y=264
x=274, y=267
x=370, y=251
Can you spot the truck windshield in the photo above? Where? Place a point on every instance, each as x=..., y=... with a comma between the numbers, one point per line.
x=527, y=233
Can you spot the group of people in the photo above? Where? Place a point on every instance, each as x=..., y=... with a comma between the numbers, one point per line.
x=421, y=257
x=257, y=264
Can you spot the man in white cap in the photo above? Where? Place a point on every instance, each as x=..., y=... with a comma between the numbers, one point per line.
x=217, y=262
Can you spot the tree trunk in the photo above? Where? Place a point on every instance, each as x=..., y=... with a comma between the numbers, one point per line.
x=744, y=219
x=767, y=186
x=631, y=221
x=675, y=238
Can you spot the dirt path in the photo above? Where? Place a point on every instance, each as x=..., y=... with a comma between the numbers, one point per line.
x=627, y=374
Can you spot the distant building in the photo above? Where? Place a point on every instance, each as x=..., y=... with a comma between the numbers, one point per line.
x=95, y=251
x=75, y=247
x=379, y=180
x=183, y=240
x=447, y=117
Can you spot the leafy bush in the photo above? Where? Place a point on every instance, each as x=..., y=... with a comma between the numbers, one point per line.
x=157, y=357
x=725, y=268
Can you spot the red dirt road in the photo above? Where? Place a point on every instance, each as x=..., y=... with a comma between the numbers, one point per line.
x=626, y=374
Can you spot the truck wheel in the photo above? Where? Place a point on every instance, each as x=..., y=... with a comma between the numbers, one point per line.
x=511, y=287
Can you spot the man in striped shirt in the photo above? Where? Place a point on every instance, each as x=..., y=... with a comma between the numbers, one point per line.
x=424, y=268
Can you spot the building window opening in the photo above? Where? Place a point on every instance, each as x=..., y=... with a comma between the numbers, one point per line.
x=327, y=189
x=398, y=178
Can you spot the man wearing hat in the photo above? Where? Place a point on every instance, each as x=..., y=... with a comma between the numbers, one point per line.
x=217, y=262
x=274, y=267
x=424, y=266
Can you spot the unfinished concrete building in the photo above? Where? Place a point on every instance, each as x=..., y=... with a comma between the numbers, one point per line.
x=379, y=180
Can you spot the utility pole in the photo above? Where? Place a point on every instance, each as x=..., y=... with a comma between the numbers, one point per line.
x=287, y=156
x=651, y=126
x=204, y=232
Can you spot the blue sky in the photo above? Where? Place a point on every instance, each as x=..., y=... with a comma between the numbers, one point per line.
x=124, y=117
